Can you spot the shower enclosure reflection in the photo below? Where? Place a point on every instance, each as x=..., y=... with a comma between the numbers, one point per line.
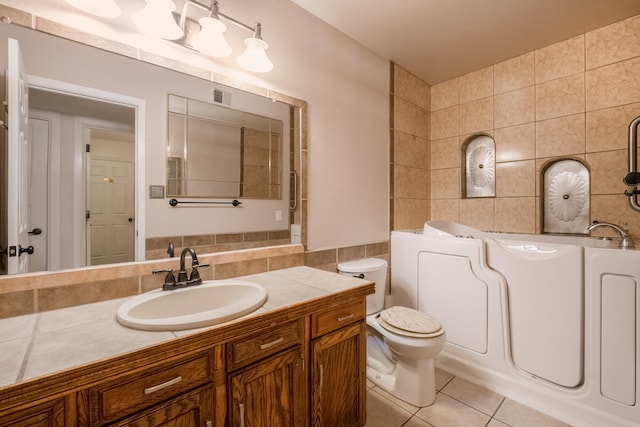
x=215, y=151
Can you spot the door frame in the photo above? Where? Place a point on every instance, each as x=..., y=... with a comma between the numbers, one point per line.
x=139, y=106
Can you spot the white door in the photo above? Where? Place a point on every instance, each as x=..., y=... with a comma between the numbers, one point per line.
x=111, y=231
x=18, y=157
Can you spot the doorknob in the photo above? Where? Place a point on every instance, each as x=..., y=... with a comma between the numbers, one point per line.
x=29, y=250
x=36, y=231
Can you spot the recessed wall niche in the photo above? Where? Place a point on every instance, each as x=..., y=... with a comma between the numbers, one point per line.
x=566, y=196
x=479, y=159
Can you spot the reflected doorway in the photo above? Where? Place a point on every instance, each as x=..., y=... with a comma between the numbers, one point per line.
x=74, y=139
x=110, y=197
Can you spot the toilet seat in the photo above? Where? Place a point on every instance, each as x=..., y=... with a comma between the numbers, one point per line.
x=409, y=322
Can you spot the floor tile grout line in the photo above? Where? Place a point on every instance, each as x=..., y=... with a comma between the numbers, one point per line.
x=473, y=407
x=504, y=399
x=446, y=383
x=414, y=414
x=394, y=403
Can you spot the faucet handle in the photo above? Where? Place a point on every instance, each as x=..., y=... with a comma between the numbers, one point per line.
x=169, y=280
x=194, y=278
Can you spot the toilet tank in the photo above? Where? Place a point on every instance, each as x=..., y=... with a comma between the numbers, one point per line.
x=373, y=269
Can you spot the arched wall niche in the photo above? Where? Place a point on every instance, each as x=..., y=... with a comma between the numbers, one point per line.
x=479, y=167
x=566, y=196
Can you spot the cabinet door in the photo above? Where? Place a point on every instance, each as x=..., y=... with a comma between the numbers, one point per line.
x=50, y=414
x=269, y=393
x=194, y=409
x=338, y=385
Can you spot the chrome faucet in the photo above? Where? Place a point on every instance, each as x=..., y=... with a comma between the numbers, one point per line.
x=183, y=281
x=626, y=242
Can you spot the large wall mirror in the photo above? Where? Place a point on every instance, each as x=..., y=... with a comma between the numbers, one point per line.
x=217, y=152
x=56, y=55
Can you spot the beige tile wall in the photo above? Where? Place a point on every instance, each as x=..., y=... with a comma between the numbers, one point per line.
x=156, y=247
x=329, y=259
x=409, y=123
x=571, y=99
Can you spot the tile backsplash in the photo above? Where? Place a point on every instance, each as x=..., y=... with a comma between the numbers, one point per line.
x=36, y=292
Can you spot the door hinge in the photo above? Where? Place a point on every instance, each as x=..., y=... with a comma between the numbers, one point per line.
x=87, y=215
x=88, y=148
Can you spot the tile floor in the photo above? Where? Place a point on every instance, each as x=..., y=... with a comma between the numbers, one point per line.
x=459, y=403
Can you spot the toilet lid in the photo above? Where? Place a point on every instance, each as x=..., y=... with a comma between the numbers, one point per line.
x=409, y=322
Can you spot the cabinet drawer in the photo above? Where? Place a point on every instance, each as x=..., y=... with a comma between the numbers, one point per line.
x=258, y=346
x=336, y=317
x=115, y=399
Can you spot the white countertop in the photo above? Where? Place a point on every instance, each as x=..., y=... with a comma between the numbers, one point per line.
x=43, y=343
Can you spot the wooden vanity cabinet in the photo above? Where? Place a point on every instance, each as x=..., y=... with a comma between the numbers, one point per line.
x=270, y=392
x=298, y=368
x=176, y=393
x=193, y=409
x=338, y=364
x=267, y=378
x=49, y=414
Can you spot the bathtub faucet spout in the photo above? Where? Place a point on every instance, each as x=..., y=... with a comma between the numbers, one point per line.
x=626, y=242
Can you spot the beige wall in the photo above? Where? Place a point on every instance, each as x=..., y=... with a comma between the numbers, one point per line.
x=571, y=99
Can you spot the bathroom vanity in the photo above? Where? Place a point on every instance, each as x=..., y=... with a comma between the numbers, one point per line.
x=297, y=361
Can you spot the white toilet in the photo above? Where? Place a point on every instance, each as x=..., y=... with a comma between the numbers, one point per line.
x=401, y=342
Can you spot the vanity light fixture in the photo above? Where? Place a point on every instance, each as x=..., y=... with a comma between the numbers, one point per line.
x=102, y=8
x=210, y=39
x=158, y=19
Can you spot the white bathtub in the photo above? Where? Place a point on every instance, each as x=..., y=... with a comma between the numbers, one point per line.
x=550, y=321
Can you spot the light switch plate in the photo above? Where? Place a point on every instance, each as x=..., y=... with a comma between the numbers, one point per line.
x=156, y=191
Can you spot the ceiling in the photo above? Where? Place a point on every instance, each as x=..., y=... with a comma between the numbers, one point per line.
x=81, y=106
x=441, y=39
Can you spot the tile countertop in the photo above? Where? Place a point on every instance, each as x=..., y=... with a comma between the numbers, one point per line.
x=43, y=343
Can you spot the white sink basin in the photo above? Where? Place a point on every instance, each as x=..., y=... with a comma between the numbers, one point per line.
x=213, y=302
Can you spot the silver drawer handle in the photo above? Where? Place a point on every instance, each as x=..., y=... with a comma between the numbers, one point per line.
x=271, y=344
x=241, y=408
x=347, y=317
x=169, y=383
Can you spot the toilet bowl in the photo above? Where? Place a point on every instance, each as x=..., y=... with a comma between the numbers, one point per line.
x=401, y=342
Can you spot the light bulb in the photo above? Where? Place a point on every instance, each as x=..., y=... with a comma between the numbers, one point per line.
x=156, y=19
x=254, y=58
x=210, y=40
